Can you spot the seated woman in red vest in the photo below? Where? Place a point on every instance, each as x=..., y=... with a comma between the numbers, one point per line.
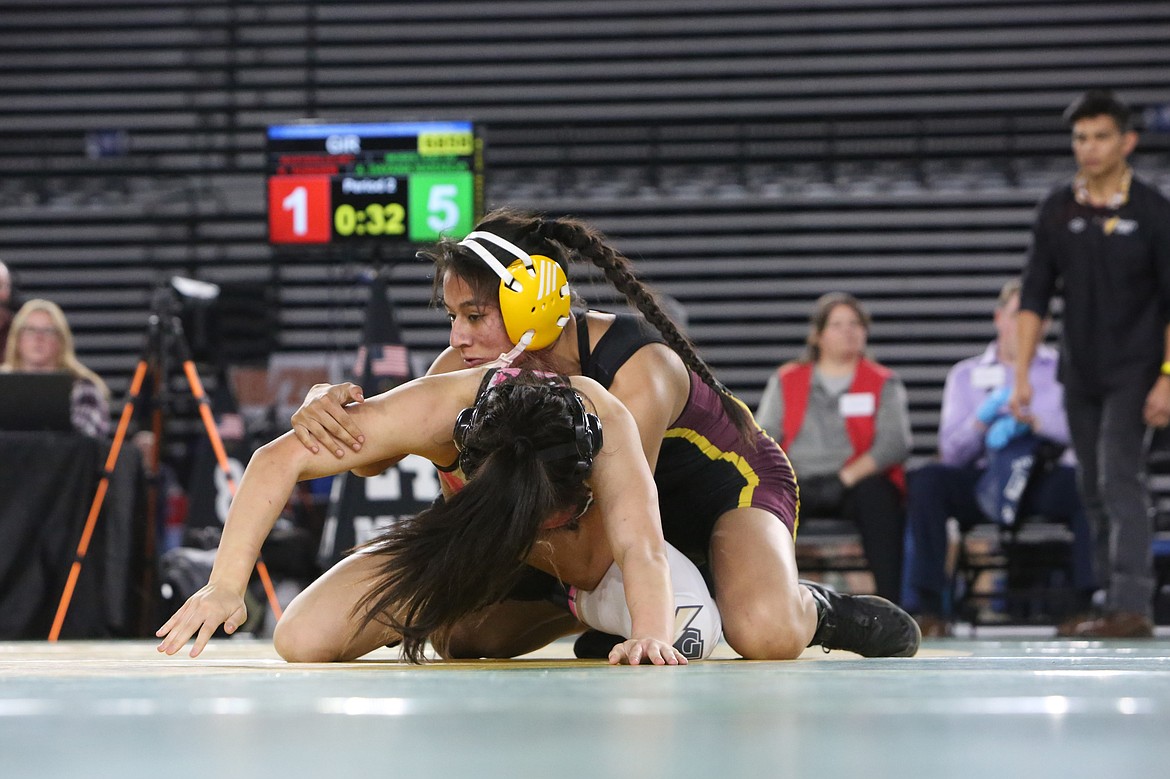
x=845, y=423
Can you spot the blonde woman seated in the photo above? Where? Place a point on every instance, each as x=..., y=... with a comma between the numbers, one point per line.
x=40, y=341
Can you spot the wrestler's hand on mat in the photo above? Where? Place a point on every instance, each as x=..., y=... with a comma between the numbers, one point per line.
x=323, y=421
x=636, y=651
x=203, y=612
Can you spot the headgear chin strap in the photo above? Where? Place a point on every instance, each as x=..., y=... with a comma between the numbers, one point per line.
x=534, y=291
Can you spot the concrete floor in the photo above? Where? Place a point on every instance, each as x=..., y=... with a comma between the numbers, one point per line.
x=1007, y=707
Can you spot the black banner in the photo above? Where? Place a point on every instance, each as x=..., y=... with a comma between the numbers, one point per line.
x=359, y=508
x=47, y=485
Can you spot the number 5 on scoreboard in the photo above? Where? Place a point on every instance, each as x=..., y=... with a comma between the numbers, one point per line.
x=440, y=205
x=299, y=209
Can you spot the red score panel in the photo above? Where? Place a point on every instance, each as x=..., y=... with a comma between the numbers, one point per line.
x=299, y=209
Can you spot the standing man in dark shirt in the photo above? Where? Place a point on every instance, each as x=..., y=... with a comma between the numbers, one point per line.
x=1104, y=244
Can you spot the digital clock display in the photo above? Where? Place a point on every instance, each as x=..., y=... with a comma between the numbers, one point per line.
x=411, y=182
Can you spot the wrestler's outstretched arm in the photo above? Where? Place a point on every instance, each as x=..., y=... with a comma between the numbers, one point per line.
x=414, y=418
x=323, y=421
x=627, y=499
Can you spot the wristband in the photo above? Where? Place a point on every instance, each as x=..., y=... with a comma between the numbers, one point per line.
x=1166, y=368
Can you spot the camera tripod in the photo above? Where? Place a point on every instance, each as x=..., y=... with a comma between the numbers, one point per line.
x=164, y=335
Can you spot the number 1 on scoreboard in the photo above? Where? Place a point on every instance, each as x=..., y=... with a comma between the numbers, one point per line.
x=299, y=209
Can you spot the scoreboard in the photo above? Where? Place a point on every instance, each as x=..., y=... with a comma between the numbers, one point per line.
x=404, y=182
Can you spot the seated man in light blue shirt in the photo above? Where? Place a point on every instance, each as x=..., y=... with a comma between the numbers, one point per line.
x=976, y=419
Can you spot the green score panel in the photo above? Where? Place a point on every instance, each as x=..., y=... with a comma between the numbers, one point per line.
x=419, y=208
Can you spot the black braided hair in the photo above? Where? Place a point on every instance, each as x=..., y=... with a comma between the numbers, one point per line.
x=465, y=553
x=566, y=239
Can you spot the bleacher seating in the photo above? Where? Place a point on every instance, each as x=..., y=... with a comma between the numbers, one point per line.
x=749, y=154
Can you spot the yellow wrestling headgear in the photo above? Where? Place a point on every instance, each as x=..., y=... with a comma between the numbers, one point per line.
x=534, y=291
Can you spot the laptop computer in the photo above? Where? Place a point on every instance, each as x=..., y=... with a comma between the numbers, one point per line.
x=36, y=401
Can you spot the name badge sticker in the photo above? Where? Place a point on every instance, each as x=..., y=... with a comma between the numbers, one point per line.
x=857, y=404
x=986, y=377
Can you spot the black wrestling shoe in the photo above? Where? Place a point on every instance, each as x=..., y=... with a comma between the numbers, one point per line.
x=865, y=624
x=595, y=645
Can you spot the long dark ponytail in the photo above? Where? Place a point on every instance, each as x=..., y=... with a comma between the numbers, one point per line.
x=565, y=238
x=466, y=553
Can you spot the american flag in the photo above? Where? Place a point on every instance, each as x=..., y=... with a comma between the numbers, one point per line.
x=385, y=360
